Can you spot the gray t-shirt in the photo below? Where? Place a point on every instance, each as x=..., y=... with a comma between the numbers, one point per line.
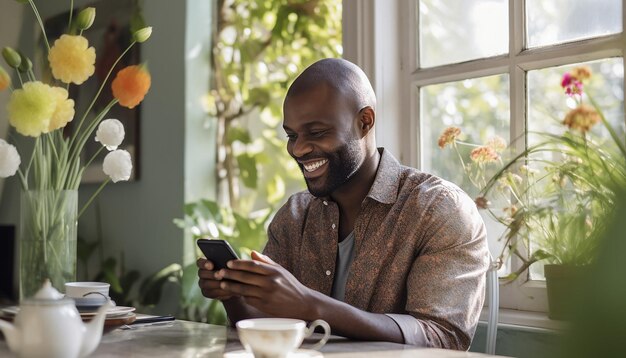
x=345, y=255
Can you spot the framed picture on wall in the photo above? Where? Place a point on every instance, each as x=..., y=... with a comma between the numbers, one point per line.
x=110, y=35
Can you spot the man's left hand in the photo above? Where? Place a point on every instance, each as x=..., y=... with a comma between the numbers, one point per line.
x=268, y=287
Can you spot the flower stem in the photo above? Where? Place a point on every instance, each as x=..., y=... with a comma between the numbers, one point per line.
x=32, y=156
x=82, y=139
x=80, y=124
x=22, y=179
x=621, y=145
x=94, y=157
x=43, y=30
x=93, y=196
x=69, y=23
x=467, y=144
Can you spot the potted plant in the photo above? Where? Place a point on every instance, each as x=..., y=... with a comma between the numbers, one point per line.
x=555, y=194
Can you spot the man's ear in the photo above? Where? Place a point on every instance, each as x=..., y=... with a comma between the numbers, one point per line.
x=367, y=118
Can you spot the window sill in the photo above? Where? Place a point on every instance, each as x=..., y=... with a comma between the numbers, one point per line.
x=524, y=320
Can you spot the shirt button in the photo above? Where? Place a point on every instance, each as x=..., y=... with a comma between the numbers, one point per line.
x=333, y=226
x=325, y=203
x=327, y=272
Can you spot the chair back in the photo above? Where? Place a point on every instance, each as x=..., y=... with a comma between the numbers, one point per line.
x=493, y=301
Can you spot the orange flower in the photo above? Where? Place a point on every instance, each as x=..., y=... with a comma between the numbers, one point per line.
x=581, y=73
x=582, y=118
x=131, y=85
x=484, y=154
x=448, y=136
x=5, y=80
x=497, y=143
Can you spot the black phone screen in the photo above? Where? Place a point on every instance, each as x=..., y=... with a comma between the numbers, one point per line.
x=217, y=251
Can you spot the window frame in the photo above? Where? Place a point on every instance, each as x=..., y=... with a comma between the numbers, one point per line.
x=393, y=68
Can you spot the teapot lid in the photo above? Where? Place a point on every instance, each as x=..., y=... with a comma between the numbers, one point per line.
x=48, y=295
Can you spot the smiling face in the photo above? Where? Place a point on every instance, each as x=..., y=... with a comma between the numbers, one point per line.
x=322, y=127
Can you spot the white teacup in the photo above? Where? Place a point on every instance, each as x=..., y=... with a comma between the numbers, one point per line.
x=87, y=290
x=277, y=337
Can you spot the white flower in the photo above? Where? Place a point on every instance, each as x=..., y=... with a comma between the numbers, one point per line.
x=117, y=165
x=9, y=159
x=110, y=133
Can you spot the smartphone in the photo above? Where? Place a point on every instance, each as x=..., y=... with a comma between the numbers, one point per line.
x=217, y=251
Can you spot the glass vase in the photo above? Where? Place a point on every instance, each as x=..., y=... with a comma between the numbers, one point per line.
x=48, y=224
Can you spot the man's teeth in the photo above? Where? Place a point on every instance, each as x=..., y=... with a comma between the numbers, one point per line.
x=311, y=167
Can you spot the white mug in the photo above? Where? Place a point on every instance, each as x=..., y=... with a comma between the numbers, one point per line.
x=87, y=290
x=277, y=337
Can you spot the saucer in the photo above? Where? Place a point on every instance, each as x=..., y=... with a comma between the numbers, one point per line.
x=300, y=353
x=10, y=311
x=113, y=312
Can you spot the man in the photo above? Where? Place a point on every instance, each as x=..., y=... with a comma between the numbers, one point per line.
x=378, y=250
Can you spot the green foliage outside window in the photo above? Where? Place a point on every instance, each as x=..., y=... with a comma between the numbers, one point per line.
x=259, y=47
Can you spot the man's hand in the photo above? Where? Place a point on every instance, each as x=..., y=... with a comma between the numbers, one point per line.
x=209, y=283
x=268, y=287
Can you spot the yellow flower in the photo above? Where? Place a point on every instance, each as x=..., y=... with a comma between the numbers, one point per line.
x=5, y=79
x=484, y=154
x=31, y=108
x=582, y=118
x=448, y=136
x=64, y=109
x=497, y=143
x=71, y=60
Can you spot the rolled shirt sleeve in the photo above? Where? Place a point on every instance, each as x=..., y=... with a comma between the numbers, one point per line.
x=411, y=328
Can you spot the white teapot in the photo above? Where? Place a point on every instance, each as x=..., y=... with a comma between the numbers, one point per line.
x=48, y=325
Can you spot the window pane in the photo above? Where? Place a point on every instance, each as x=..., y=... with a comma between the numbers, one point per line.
x=480, y=108
x=556, y=21
x=547, y=104
x=457, y=31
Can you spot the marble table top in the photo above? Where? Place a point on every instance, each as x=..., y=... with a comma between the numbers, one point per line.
x=192, y=339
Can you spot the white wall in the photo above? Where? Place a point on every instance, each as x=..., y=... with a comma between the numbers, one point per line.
x=200, y=133
x=371, y=30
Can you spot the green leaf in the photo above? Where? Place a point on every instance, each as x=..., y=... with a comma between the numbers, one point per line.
x=108, y=274
x=281, y=21
x=236, y=133
x=128, y=280
x=247, y=170
x=151, y=287
x=275, y=190
x=189, y=282
x=216, y=314
x=259, y=97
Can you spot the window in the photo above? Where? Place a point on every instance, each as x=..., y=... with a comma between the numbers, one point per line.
x=493, y=67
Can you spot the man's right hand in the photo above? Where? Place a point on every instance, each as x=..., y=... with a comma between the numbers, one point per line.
x=209, y=283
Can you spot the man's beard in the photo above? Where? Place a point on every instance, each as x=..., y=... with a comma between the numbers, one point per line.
x=343, y=163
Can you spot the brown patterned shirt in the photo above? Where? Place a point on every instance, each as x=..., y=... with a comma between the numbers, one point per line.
x=420, y=250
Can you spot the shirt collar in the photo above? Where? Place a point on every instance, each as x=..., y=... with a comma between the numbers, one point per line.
x=385, y=187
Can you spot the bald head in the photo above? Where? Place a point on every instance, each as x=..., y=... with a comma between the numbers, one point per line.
x=343, y=77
